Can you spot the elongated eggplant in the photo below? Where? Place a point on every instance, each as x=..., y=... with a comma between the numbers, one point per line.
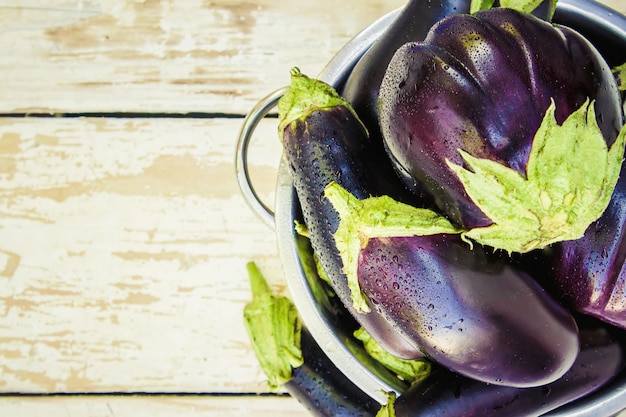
x=322, y=389
x=445, y=394
x=470, y=312
x=324, y=141
x=483, y=83
x=292, y=360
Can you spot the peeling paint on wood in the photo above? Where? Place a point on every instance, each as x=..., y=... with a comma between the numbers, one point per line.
x=166, y=56
x=153, y=406
x=120, y=242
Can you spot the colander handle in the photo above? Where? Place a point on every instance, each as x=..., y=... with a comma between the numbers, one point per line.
x=252, y=119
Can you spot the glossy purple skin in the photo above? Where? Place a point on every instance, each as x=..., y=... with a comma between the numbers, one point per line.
x=411, y=25
x=445, y=394
x=588, y=274
x=471, y=313
x=331, y=145
x=322, y=389
x=482, y=83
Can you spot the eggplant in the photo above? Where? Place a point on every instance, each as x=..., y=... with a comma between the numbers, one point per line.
x=323, y=389
x=412, y=24
x=293, y=361
x=483, y=83
x=445, y=394
x=588, y=274
x=324, y=141
x=469, y=312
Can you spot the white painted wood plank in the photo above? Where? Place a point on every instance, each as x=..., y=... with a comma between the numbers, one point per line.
x=166, y=56
x=152, y=406
x=123, y=246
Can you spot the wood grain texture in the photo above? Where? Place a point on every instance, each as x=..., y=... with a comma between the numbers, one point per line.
x=123, y=245
x=166, y=55
x=152, y=406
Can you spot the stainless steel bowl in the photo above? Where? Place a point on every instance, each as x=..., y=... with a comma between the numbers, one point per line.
x=602, y=26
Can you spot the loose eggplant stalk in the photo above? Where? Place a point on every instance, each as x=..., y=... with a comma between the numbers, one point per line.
x=445, y=394
x=292, y=360
x=483, y=83
x=470, y=312
x=588, y=274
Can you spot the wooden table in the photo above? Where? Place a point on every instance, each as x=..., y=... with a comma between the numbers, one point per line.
x=123, y=234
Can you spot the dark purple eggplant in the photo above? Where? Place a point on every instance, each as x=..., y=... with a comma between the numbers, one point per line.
x=445, y=394
x=324, y=141
x=293, y=361
x=411, y=25
x=468, y=311
x=588, y=274
x=323, y=390
x=482, y=83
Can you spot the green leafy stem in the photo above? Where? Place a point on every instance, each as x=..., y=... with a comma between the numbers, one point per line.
x=570, y=177
x=274, y=329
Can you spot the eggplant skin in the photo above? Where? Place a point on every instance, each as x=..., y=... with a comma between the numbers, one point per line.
x=363, y=84
x=322, y=389
x=482, y=83
x=469, y=312
x=445, y=394
x=588, y=274
x=331, y=145
x=411, y=25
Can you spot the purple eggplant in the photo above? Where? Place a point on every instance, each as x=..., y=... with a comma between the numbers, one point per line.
x=588, y=274
x=411, y=25
x=467, y=310
x=322, y=389
x=446, y=394
x=482, y=83
x=324, y=141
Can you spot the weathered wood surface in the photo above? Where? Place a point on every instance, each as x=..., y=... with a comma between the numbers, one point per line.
x=123, y=245
x=123, y=241
x=151, y=406
x=166, y=56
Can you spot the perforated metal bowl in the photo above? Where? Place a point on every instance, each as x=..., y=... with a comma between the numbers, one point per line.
x=604, y=27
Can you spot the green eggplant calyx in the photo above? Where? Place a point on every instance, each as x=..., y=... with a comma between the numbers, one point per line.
x=570, y=177
x=478, y=5
x=409, y=370
x=304, y=96
x=524, y=6
x=274, y=329
x=389, y=409
x=620, y=74
x=375, y=217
